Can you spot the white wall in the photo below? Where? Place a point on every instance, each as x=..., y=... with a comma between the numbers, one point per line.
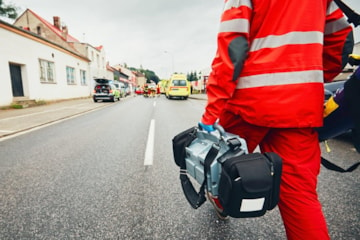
x=5, y=80
x=18, y=49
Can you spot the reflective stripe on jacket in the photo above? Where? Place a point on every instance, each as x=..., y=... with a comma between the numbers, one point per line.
x=294, y=46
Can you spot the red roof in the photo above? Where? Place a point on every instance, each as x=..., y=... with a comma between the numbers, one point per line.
x=69, y=38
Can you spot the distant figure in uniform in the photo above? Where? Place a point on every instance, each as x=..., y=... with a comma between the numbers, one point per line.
x=158, y=90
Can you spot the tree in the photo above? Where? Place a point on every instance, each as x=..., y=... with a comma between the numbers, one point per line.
x=9, y=11
x=151, y=76
x=192, y=76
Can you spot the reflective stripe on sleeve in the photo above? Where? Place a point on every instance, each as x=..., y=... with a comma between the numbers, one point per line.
x=332, y=8
x=235, y=25
x=335, y=26
x=273, y=41
x=274, y=79
x=237, y=3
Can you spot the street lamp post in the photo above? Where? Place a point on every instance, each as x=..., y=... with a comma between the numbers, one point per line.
x=172, y=61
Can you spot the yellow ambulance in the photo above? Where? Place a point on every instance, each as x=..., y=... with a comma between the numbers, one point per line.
x=178, y=87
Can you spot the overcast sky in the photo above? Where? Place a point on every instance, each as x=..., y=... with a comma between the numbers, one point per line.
x=159, y=35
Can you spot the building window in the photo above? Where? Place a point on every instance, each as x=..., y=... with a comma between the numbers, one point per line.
x=83, y=77
x=70, y=75
x=47, y=71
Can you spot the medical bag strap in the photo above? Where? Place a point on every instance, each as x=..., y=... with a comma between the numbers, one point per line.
x=352, y=16
x=210, y=157
x=331, y=166
x=197, y=199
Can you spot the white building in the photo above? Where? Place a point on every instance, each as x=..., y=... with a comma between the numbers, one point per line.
x=35, y=68
x=58, y=33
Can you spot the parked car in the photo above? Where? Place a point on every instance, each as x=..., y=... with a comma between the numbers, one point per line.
x=121, y=87
x=139, y=91
x=127, y=90
x=105, y=90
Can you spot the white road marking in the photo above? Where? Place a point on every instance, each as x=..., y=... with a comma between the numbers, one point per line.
x=155, y=104
x=6, y=131
x=21, y=132
x=48, y=111
x=149, y=152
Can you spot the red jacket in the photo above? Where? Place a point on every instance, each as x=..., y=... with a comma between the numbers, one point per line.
x=294, y=46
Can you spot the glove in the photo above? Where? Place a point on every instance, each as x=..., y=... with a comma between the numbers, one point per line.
x=339, y=96
x=205, y=127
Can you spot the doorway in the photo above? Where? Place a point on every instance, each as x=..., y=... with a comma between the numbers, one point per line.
x=16, y=80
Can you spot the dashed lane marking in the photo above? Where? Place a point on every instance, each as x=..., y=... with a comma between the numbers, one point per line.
x=149, y=152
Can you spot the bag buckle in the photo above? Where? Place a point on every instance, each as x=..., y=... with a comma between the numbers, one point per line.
x=234, y=143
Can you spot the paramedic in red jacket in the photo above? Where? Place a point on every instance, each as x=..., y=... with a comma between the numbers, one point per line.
x=266, y=85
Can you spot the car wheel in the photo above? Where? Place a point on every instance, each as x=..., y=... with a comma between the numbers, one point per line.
x=113, y=99
x=95, y=100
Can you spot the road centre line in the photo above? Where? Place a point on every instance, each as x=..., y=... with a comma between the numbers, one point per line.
x=149, y=152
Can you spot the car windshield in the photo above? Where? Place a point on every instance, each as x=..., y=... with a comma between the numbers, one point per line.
x=103, y=81
x=179, y=83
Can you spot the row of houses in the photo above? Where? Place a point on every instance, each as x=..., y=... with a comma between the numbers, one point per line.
x=42, y=61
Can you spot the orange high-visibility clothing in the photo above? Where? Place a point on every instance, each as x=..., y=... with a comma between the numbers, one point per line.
x=266, y=86
x=293, y=48
x=300, y=152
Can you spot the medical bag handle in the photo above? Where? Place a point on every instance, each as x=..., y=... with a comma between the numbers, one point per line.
x=220, y=129
x=196, y=199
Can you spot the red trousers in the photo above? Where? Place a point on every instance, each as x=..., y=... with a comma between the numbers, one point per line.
x=300, y=151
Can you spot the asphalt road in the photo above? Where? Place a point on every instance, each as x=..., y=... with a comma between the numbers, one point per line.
x=86, y=178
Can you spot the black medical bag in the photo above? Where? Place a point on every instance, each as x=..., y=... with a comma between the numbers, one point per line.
x=247, y=185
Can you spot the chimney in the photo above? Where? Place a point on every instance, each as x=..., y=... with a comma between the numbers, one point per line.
x=64, y=32
x=56, y=22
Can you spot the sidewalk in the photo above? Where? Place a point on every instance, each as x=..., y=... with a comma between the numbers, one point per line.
x=13, y=121
x=200, y=96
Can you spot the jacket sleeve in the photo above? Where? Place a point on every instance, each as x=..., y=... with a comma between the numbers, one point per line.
x=338, y=42
x=232, y=48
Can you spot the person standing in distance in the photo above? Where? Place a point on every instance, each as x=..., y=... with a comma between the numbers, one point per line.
x=266, y=85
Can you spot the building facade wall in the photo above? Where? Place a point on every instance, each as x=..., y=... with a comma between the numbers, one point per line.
x=140, y=81
x=25, y=51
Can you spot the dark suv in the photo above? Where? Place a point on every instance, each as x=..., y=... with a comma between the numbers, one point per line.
x=105, y=90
